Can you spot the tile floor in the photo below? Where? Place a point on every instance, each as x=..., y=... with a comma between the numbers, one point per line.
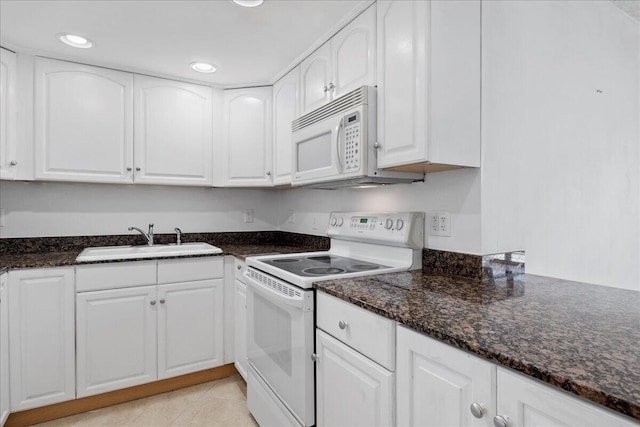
x=217, y=403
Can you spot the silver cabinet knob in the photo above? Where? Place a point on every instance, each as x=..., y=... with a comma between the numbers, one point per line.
x=342, y=324
x=162, y=301
x=138, y=169
x=326, y=89
x=501, y=421
x=13, y=163
x=314, y=357
x=239, y=267
x=331, y=87
x=128, y=169
x=376, y=145
x=152, y=302
x=268, y=173
x=478, y=410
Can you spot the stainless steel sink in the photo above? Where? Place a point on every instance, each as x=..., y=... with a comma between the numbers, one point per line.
x=107, y=253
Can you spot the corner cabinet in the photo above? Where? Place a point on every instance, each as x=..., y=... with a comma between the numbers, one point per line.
x=173, y=132
x=41, y=337
x=342, y=64
x=4, y=350
x=8, y=141
x=286, y=109
x=244, y=158
x=83, y=123
x=428, y=72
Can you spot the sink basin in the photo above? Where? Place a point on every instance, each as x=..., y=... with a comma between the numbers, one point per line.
x=106, y=253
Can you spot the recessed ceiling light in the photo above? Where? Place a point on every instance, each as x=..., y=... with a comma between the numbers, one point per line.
x=203, y=67
x=248, y=3
x=75, y=40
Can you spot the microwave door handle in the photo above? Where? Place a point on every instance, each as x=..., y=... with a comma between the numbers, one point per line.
x=339, y=157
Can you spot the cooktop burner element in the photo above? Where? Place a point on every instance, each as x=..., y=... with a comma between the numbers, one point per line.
x=321, y=265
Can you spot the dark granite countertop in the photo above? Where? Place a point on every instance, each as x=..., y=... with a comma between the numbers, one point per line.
x=62, y=251
x=582, y=338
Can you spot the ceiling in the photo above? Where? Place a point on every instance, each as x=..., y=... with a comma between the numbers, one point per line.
x=250, y=46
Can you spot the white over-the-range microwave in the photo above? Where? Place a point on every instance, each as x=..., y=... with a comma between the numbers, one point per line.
x=335, y=145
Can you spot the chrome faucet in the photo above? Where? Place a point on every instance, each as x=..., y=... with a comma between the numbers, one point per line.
x=178, y=236
x=148, y=236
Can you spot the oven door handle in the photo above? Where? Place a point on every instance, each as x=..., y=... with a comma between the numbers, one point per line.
x=275, y=296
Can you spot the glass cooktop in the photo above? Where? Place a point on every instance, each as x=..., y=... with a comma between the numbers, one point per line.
x=322, y=265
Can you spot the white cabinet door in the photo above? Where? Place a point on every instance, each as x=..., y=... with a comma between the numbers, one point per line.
x=353, y=54
x=529, y=403
x=351, y=390
x=41, y=337
x=245, y=154
x=402, y=91
x=190, y=327
x=240, y=322
x=8, y=141
x=173, y=132
x=437, y=384
x=285, y=110
x=428, y=83
x=4, y=350
x=116, y=339
x=315, y=76
x=83, y=123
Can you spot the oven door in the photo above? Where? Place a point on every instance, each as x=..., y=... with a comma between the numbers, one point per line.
x=280, y=331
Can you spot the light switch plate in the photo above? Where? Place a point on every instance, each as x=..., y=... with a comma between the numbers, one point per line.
x=248, y=215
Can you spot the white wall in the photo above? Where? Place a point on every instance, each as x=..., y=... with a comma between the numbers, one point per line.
x=561, y=160
x=457, y=192
x=61, y=209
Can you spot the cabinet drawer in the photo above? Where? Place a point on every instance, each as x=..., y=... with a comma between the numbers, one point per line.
x=188, y=270
x=370, y=334
x=115, y=275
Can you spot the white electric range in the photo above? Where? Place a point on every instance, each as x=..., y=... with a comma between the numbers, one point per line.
x=280, y=306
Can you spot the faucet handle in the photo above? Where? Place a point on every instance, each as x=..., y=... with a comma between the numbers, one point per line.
x=178, y=236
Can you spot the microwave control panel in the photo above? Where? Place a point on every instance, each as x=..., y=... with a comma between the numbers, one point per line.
x=353, y=141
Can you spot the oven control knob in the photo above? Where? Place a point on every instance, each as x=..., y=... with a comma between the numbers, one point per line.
x=340, y=222
x=399, y=224
x=333, y=221
x=388, y=224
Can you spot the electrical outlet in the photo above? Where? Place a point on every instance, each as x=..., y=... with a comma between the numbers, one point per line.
x=439, y=224
x=292, y=217
x=248, y=215
x=444, y=224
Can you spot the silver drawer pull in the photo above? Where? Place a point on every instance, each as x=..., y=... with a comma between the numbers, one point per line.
x=342, y=324
x=162, y=301
x=478, y=410
x=501, y=421
x=152, y=302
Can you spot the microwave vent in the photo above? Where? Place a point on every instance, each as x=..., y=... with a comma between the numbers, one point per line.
x=345, y=102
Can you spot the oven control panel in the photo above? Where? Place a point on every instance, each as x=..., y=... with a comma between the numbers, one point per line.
x=393, y=228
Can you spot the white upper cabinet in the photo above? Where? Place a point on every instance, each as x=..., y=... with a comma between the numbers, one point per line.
x=285, y=110
x=315, y=72
x=428, y=72
x=245, y=156
x=353, y=53
x=83, y=123
x=8, y=162
x=173, y=132
x=342, y=64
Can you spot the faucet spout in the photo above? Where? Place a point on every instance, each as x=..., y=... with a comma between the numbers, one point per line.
x=148, y=236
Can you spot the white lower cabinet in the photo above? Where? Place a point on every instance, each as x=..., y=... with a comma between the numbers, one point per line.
x=190, y=327
x=4, y=350
x=351, y=390
x=144, y=332
x=526, y=402
x=437, y=384
x=41, y=337
x=240, y=302
x=116, y=339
